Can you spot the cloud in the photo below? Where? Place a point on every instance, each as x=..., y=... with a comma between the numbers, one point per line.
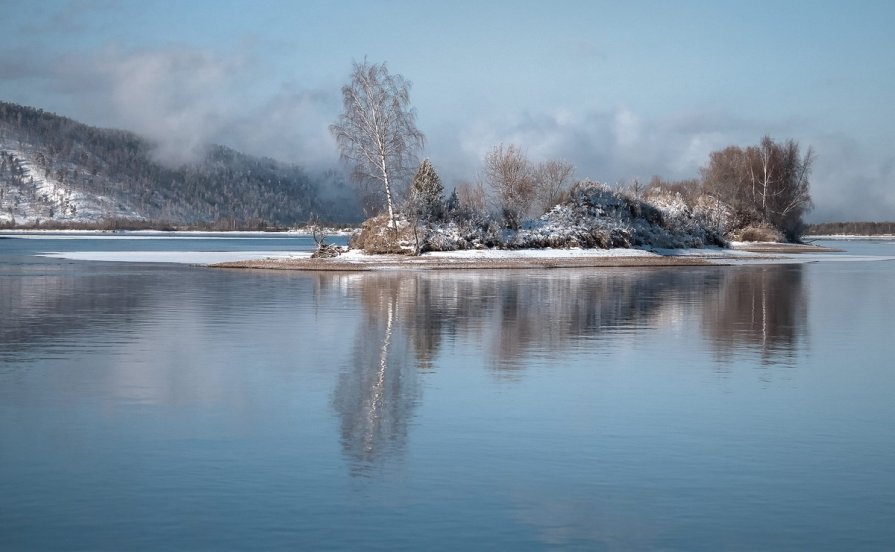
x=184, y=98
x=849, y=183
x=613, y=145
x=175, y=97
x=16, y=65
x=292, y=125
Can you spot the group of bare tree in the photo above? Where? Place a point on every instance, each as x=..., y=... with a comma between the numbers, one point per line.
x=520, y=188
x=767, y=183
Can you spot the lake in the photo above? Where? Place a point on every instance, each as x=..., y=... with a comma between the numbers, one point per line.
x=156, y=406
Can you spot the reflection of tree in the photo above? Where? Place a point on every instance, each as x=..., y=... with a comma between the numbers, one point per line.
x=378, y=390
x=762, y=307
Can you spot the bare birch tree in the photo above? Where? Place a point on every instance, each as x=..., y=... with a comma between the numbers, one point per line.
x=376, y=132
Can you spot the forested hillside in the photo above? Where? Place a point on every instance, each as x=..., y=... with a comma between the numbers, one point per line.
x=56, y=169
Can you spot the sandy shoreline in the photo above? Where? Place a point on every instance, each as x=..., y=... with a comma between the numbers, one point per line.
x=525, y=259
x=395, y=262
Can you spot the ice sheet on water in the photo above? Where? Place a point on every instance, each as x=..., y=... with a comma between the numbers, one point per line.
x=178, y=257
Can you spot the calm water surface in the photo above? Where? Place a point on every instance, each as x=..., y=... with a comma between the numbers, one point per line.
x=169, y=407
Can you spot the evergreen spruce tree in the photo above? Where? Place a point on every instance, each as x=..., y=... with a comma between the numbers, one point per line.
x=426, y=196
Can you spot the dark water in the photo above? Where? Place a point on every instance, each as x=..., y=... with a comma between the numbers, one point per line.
x=168, y=407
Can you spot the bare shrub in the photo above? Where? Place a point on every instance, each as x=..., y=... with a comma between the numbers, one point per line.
x=377, y=235
x=472, y=197
x=552, y=181
x=510, y=176
x=757, y=233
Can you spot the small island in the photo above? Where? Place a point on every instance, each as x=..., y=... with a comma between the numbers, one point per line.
x=524, y=214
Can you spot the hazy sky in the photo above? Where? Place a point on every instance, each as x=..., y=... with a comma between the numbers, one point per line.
x=622, y=91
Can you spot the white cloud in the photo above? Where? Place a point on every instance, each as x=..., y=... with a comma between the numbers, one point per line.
x=850, y=184
x=186, y=98
x=613, y=145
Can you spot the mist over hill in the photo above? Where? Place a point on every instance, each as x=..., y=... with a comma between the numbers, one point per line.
x=55, y=169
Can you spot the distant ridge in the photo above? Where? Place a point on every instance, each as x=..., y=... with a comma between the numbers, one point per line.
x=57, y=170
x=851, y=229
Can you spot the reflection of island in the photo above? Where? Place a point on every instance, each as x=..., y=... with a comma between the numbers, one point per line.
x=407, y=317
x=512, y=314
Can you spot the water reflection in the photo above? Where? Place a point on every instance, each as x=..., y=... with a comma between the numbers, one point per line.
x=54, y=305
x=513, y=318
x=510, y=315
x=180, y=325
x=551, y=313
x=377, y=391
x=761, y=308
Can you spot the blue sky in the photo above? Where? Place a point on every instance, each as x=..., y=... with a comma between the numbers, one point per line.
x=621, y=91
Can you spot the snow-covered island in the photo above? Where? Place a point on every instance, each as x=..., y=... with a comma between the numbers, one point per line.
x=595, y=226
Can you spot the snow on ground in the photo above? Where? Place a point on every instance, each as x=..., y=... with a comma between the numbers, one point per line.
x=473, y=254
x=353, y=256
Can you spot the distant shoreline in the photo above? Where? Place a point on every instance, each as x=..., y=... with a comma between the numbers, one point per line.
x=850, y=237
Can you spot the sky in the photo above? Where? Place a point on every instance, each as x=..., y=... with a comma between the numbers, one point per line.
x=622, y=90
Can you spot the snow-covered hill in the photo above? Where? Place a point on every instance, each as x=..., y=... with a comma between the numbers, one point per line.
x=29, y=195
x=55, y=169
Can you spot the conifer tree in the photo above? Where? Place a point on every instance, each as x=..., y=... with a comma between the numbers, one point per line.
x=426, y=195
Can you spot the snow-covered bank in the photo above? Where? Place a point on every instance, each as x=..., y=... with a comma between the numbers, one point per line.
x=739, y=253
x=464, y=259
x=520, y=254
x=563, y=258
